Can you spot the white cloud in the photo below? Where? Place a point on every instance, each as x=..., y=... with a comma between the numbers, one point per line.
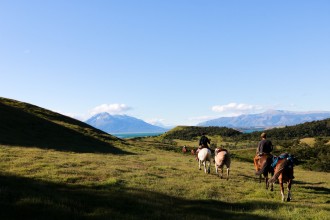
x=234, y=109
x=110, y=108
x=156, y=121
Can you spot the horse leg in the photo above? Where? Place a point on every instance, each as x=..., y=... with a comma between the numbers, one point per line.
x=272, y=184
x=282, y=190
x=199, y=164
x=216, y=168
x=209, y=167
x=204, y=163
x=227, y=173
x=288, y=199
x=221, y=172
x=272, y=187
x=260, y=178
x=266, y=181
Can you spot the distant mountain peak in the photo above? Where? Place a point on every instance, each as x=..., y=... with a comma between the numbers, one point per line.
x=269, y=118
x=275, y=111
x=121, y=124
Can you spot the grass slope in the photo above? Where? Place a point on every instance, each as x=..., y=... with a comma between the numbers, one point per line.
x=24, y=124
x=54, y=167
x=151, y=184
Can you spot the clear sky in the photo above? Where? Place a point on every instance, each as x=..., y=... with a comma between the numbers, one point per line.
x=178, y=62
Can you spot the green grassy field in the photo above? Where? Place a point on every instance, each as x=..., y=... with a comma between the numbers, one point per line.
x=147, y=182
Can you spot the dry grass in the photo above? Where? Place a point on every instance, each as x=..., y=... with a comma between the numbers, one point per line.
x=309, y=141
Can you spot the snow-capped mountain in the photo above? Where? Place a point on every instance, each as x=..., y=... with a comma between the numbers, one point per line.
x=121, y=124
x=271, y=118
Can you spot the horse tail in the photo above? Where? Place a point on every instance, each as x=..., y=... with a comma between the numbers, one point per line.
x=262, y=170
x=278, y=170
x=227, y=160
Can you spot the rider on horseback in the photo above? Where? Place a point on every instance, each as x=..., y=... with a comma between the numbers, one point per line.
x=204, y=142
x=265, y=147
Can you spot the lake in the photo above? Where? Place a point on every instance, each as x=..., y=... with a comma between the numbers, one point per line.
x=140, y=134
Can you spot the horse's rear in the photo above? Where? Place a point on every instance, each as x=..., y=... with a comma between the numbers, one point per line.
x=262, y=165
x=204, y=157
x=221, y=158
x=284, y=174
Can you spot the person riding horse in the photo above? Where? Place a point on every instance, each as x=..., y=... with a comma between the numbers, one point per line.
x=204, y=141
x=264, y=158
x=265, y=146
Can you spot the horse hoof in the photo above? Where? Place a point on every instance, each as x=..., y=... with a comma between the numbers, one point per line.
x=271, y=189
x=288, y=199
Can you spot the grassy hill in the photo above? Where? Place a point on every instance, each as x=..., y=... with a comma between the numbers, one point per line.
x=151, y=184
x=23, y=124
x=314, y=155
x=194, y=132
x=54, y=167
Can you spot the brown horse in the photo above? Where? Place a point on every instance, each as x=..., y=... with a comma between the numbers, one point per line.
x=284, y=174
x=262, y=166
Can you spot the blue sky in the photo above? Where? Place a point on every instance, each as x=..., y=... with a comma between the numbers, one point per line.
x=178, y=62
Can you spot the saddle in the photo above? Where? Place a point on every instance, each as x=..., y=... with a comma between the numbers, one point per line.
x=287, y=156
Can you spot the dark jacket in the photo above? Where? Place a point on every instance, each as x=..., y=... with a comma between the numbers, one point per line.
x=204, y=141
x=265, y=146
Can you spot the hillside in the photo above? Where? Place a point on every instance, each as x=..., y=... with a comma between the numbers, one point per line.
x=45, y=173
x=271, y=118
x=315, y=156
x=23, y=124
x=193, y=132
x=151, y=184
x=320, y=128
x=121, y=124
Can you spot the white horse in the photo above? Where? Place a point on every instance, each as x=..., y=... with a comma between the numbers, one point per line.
x=221, y=158
x=204, y=156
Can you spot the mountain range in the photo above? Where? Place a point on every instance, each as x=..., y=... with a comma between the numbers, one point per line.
x=121, y=124
x=271, y=118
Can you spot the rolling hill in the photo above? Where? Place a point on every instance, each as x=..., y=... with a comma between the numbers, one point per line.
x=23, y=124
x=45, y=173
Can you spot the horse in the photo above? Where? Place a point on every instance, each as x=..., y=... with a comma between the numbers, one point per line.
x=284, y=173
x=204, y=156
x=221, y=158
x=262, y=166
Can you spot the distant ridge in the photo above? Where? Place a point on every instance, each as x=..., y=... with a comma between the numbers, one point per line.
x=268, y=119
x=24, y=124
x=121, y=124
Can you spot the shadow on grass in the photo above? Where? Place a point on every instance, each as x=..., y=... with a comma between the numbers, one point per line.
x=22, y=128
x=24, y=198
x=318, y=189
